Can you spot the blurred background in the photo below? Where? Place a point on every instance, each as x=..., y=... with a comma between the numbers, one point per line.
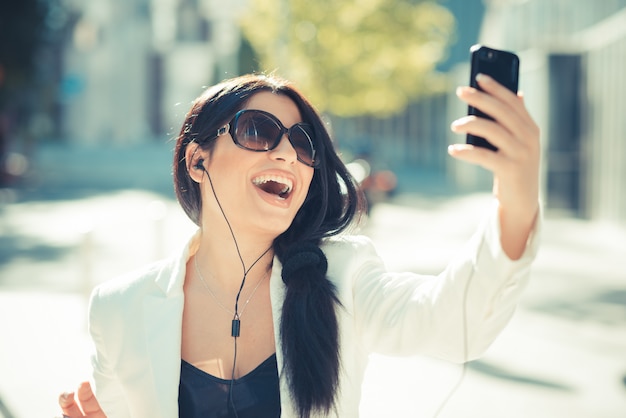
x=93, y=92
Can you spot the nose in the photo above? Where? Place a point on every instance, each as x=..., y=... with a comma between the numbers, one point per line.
x=284, y=151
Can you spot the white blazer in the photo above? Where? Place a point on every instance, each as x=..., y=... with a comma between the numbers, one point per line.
x=135, y=320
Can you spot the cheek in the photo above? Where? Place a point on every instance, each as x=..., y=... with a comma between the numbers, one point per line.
x=308, y=174
x=223, y=178
x=307, y=180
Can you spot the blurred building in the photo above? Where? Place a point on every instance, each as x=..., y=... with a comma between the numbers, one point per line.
x=132, y=68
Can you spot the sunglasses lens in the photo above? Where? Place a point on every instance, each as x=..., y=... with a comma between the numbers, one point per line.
x=259, y=131
x=301, y=137
x=256, y=131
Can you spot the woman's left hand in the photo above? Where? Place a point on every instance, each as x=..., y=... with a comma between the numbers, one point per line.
x=81, y=404
x=516, y=163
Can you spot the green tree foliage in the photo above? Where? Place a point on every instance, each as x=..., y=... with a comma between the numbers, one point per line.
x=352, y=57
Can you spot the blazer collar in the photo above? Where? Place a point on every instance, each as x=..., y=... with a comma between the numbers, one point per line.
x=171, y=279
x=163, y=315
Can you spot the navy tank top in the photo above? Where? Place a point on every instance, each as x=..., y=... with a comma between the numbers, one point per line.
x=201, y=395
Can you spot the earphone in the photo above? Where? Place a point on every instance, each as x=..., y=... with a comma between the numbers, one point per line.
x=199, y=165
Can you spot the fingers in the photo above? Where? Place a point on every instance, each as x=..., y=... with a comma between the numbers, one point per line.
x=504, y=106
x=497, y=134
x=475, y=155
x=514, y=132
x=81, y=403
x=69, y=406
x=88, y=401
x=495, y=89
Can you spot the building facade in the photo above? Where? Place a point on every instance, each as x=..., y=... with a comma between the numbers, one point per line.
x=132, y=68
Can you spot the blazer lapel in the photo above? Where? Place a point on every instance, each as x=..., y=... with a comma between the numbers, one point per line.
x=162, y=317
x=162, y=327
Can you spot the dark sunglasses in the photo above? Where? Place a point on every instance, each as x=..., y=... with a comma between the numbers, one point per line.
x=259, y=131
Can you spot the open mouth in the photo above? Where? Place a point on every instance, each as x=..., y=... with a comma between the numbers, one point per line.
x=273, y=184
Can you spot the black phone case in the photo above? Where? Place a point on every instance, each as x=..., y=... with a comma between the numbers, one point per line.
x=503, y=66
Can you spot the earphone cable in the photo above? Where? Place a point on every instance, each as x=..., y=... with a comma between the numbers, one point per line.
x=461, y=377
x=236, y=317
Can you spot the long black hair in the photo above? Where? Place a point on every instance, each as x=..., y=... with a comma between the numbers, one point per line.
x=308, y=330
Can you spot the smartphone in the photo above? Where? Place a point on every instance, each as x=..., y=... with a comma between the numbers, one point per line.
x=503, y=66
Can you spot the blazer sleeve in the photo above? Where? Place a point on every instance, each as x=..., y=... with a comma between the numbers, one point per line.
x=107, y=387
x=454, y=316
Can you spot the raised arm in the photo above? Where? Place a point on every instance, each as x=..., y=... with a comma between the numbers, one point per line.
x=515, y=165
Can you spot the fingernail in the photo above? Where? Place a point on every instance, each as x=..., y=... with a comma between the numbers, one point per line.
x=482, y=78
x=462, y=90
x=64, y=397
x=455, y=125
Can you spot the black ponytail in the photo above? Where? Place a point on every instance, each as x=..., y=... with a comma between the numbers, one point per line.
x=309, y=329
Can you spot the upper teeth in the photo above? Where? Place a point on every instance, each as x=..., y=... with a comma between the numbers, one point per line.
x=287, y=183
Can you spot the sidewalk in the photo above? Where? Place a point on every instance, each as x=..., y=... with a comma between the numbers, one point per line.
x=563, y=355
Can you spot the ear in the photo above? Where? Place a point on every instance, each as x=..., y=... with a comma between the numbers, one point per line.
x=193, y=155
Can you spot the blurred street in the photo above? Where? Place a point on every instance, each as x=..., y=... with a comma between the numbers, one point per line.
x=563, y=355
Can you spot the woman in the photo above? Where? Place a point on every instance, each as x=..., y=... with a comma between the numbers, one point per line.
x=269, y=310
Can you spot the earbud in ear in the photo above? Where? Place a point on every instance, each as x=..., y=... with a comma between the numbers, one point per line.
x=199, y=165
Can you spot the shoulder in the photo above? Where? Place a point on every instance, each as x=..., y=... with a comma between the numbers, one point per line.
x=347, y=254
x=132, y=280
x=120, y=293
x=346, y=243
